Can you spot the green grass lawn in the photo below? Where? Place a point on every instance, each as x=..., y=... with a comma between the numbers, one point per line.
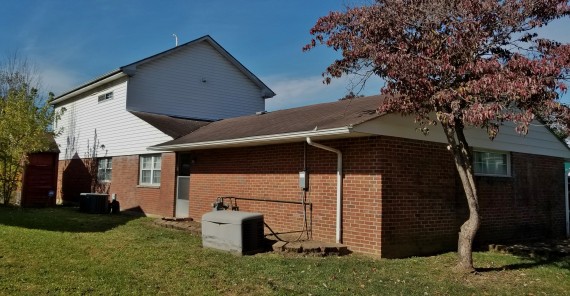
x=62, y=251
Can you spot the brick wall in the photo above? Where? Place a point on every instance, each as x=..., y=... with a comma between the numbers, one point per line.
x=75, y=177
x=424, y=203
x=271, y=172
x=418, y=197
x=401, y=197
x=528, y=205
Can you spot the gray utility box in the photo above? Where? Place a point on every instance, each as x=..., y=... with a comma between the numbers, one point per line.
x=233, y=231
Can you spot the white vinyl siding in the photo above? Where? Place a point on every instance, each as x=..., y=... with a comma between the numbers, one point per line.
x=539, y=139
x=196, y=82
x=94, y=130
x=150, y=168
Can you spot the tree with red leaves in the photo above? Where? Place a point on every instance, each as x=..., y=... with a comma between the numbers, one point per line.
x=456, y=63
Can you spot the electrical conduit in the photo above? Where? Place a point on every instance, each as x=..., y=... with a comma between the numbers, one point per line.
x=338, y=187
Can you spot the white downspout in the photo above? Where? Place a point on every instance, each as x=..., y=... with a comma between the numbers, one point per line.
x=338, y=187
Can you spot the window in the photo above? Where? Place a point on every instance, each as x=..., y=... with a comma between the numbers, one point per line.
x=492, y=163
x=105, y=97
x=104, y=169
x=150, y=170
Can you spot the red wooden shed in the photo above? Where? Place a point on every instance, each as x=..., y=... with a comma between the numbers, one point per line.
x=39, y=182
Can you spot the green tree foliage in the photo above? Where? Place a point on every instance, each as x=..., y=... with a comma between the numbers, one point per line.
x=25, y=123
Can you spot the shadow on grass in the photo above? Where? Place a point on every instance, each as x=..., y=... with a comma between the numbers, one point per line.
x=559, y=261
x=61, y=219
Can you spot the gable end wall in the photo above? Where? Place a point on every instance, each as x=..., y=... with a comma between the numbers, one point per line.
x=195, y=82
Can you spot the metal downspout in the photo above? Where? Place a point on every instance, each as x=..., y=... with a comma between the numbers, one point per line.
x=338, y=187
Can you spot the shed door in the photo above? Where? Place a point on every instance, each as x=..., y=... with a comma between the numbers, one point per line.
x=39, y=179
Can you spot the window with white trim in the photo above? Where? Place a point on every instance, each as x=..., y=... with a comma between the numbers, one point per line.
x=104, y=169
x=492, y=163
x=105, y=97
x=150, y=170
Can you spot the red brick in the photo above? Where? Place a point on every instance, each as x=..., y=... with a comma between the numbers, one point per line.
x=75, y=177
x=401, y=197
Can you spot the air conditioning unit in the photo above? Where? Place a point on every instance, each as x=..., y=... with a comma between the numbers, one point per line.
x=233, y=231
x=94, y=203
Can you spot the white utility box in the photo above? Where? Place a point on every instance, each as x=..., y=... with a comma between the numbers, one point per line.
x=233, y=231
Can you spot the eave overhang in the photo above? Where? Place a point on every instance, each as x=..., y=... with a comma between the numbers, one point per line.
x=109, y=77
x=335, y=133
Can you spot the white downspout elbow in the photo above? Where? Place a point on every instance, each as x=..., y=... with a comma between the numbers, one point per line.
x=338, y=187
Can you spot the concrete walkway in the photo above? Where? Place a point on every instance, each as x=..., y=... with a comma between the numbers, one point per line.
x=288, y=244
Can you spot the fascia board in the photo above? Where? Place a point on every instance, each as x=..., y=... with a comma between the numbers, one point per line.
x=252, y=141
x=88, y=87
x=268, y=93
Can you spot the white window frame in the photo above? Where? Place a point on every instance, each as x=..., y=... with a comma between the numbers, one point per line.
x=108, y=171
x=508, y=154
x=105, y=97
x=153, y=169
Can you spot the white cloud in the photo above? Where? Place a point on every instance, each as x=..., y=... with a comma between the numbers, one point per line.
x=295, y=92
x=57, y=80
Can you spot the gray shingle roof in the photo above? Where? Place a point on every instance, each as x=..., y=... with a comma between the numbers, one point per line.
x=172, y=126
x=324, y=116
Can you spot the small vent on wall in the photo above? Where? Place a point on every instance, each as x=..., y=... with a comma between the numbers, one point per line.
x=105, y=97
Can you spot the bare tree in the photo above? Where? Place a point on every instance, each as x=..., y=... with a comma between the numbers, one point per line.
x=25, y=118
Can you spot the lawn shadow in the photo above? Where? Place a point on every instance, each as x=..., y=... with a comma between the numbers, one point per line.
x=61, y=219
x=561, y=261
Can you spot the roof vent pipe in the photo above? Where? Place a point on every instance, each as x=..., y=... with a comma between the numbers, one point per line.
x=175, y=40
x=338, y=187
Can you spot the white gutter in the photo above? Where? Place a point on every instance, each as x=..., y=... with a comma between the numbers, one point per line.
x=338, y=187
x=89, y=87
x=258, y=140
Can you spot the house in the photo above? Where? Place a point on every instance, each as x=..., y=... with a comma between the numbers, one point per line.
x=108, y=122
x=170, y=134
x=398, y=189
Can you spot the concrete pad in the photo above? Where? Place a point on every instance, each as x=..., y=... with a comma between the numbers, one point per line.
x=294, y=247
x=279, y=246
x=311, y=247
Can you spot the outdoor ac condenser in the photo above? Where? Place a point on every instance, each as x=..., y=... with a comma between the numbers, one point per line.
x=233, y=231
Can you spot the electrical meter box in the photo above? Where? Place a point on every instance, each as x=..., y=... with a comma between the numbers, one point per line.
x=304, y=180
x=233, y=231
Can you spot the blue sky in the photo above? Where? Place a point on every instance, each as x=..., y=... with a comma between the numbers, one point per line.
x=75, y=41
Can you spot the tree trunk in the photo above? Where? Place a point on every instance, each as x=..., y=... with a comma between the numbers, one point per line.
x=463, y=162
